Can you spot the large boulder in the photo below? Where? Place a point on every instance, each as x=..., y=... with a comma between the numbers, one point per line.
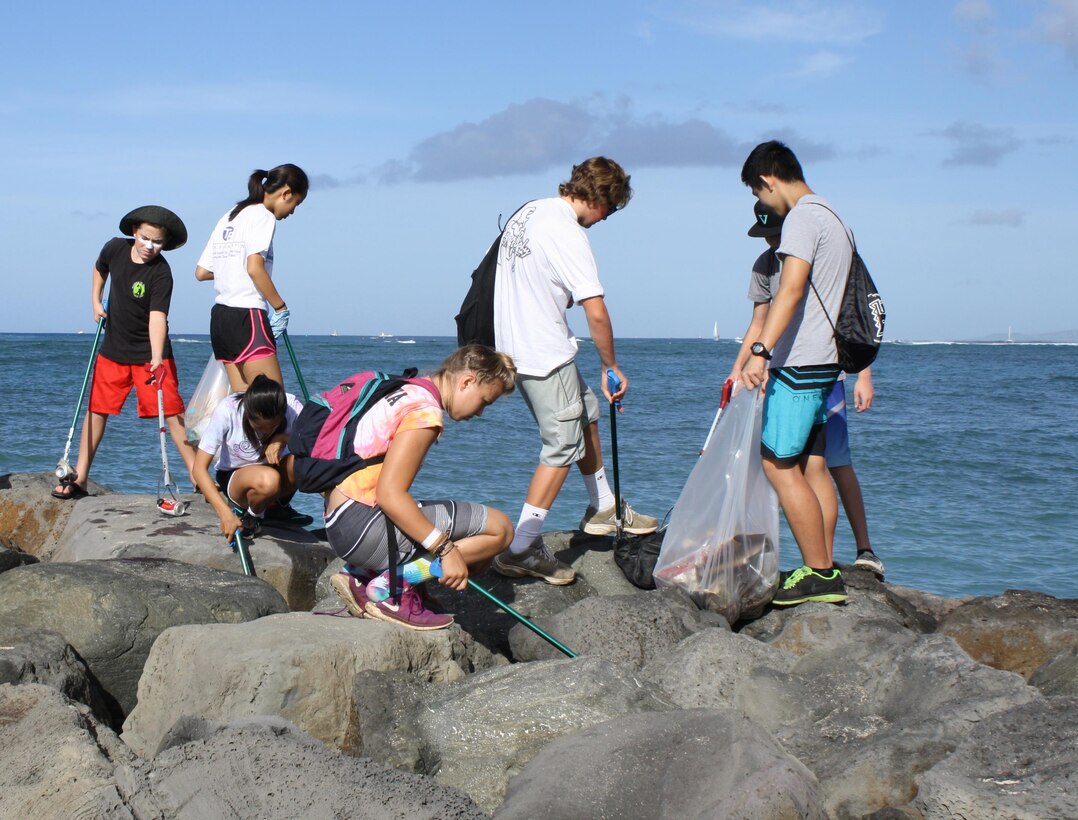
x=30, y=518
x=288, y=558
x=267, y=769
x=1017, y=631
x=298, y=666
x=625, y=629
x=111, y=612
x=476, y=733
x=678, y=765
x=56, y=759
x=1020, y=763
x=42, y=656
x=1058, y=675
x=9, y=559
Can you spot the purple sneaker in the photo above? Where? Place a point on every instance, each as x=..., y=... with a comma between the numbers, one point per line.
x=353, y=591
x=410, y=613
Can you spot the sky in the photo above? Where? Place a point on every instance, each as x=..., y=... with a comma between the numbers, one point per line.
x=944, y=133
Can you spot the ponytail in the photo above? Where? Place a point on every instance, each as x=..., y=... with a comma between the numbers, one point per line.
x=264, y=400
x=262, y=182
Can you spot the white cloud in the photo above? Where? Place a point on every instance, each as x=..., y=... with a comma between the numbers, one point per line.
x=1007, y=218
x=810, y=22
x=976, y=144
x=1059, y=25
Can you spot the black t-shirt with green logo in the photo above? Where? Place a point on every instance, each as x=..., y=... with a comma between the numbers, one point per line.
x=134, y=290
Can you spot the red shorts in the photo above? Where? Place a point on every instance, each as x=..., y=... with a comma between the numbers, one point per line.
x=113, y=382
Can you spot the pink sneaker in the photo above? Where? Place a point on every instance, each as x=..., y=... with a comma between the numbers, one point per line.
x=410, y=612
x=352, y=591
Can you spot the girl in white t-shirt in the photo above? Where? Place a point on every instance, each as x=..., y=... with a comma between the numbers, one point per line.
x=239, y=259
x=248, y=434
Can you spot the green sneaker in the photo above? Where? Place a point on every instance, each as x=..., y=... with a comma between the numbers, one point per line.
x=805, y=584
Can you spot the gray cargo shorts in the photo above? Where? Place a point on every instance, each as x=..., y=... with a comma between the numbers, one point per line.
x=562, y=405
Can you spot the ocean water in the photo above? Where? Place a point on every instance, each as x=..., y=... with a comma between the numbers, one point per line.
x=967, y=458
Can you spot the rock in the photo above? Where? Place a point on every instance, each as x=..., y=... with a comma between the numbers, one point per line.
x=593, y=559
x=298, y=666
x=9, y=559
x=111, y=612
x=625, y=629
x=1020, y=763
x=43, y=656
x=689, y=764
x=56, y=760
x=288, y=558
x=29, y=516
x=1058, y=675
x=476, y=733
x=1017, y=631
x=267, y=769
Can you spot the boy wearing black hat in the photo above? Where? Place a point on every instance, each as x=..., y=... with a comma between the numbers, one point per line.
x=136, y=344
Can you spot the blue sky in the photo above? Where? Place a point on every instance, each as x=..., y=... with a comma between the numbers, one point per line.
x=945, y=133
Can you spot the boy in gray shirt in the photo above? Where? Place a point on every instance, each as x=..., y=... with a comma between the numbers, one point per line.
x=794, y=357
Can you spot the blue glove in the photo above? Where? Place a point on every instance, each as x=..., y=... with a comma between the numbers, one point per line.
x=279, y=322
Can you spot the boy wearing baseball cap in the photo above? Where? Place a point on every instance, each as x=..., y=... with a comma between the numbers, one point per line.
x=136, y=345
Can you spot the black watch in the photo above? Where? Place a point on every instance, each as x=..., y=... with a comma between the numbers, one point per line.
x=758, y=349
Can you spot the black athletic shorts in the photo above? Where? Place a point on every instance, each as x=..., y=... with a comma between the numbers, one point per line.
x=240, y=334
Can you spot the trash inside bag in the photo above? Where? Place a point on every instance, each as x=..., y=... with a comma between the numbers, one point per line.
x=210, y=391
x=722, y=544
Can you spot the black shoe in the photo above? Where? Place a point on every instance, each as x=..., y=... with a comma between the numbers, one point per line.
x=250, y=525
x=287, y=514
x=805, y=584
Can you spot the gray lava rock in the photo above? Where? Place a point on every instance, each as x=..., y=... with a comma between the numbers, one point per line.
x=9, y=559
x=626, y=629
x=1020, y=763
x=30, y=518
x=111, y=612
x=1058, y=675
x=678, y=765
x=298, y=666
x=476, y=733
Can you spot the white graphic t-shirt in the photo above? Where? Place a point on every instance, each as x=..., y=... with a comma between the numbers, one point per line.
x=231, y=242
x=224, y=434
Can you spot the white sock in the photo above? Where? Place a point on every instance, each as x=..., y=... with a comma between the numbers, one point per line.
x=257, y=515
x=599, y=494
x=529, y=527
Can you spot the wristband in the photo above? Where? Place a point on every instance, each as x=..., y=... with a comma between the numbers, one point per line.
x=433, y=537
x=282, y=307
x=445, y=549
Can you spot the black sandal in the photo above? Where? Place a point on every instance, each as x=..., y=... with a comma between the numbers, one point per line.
x=73, y=491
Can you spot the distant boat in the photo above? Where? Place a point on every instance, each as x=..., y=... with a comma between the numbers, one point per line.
x=715, y=332
x=334, y=333
x=384, y=335
x=1010, y=338
x=406, y=341
x=739, y=339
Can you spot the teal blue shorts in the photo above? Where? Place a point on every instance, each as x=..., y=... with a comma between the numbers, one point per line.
x=795, y=410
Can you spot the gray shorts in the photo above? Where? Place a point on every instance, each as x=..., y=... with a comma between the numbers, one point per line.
x=357, y=532
x=562, y=405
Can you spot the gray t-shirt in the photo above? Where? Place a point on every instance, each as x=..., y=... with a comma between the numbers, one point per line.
x=764, y=284
x=816, y=235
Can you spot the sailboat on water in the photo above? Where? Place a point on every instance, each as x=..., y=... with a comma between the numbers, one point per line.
x=715, y=331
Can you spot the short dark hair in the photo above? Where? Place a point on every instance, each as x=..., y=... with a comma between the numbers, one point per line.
x=771, y=159
x=599, y=181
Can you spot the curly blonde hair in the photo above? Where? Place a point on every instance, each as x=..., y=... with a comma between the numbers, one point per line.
x=599, y=181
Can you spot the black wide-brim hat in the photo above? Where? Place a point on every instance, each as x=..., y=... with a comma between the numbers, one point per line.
x=768, y=223
x=156, y=215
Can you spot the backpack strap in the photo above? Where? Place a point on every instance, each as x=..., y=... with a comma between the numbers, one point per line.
x=853, y=245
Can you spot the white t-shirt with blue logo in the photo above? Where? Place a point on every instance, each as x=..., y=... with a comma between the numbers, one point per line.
x=231, y=242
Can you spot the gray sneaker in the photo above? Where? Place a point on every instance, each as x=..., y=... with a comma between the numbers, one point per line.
x=536, y=561
x=867, y=559
x=602, y=522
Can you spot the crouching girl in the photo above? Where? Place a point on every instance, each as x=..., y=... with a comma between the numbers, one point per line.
x=248, y=433
x=464, y=536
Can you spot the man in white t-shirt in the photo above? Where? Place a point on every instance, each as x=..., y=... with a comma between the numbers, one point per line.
x=794, y=357
x=545, y=266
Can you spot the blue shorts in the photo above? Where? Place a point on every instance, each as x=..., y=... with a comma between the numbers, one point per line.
x=795, y=410
x=837, y=449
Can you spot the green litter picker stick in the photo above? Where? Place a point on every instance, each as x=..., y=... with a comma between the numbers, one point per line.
x=295, y=364
x=240, y=548
x=63, y=468
x=436, y=571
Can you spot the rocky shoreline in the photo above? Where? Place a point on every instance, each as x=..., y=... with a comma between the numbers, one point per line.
x=143, y=675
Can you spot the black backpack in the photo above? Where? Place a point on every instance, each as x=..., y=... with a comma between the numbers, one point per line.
x=475, y=322
x=636, y=556
x=858, y=330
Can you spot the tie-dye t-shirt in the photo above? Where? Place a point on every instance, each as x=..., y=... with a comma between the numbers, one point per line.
x=410, y=408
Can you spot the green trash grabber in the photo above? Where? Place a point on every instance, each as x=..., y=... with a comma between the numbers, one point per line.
x=436, y=571
x=295, y=364
x=63, y=468
x=245, y=555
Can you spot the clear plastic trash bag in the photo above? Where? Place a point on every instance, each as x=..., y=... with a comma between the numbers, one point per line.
x=722, y=544
x=210, y=391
